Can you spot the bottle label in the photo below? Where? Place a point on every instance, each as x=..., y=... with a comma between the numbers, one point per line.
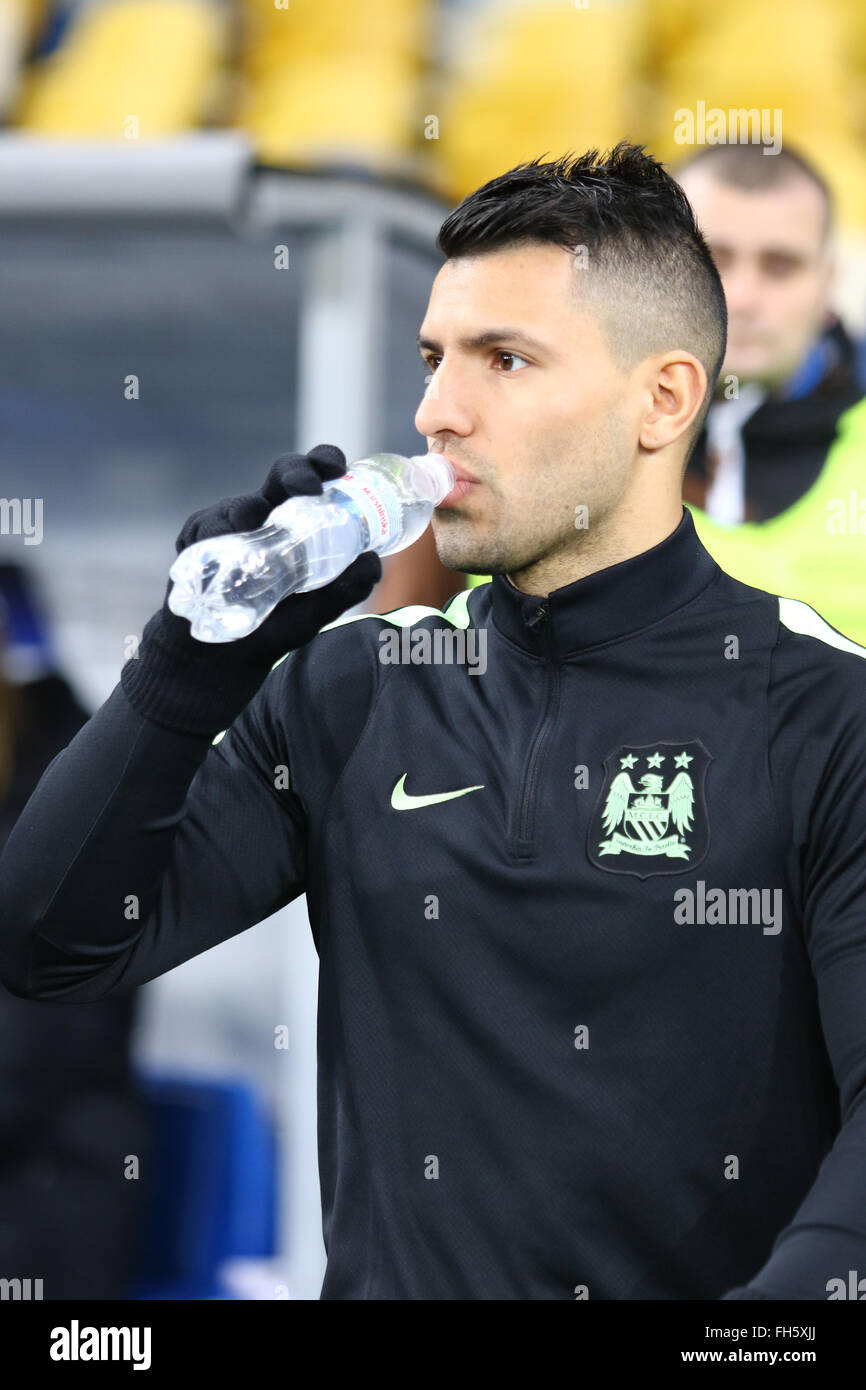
x=377, y=503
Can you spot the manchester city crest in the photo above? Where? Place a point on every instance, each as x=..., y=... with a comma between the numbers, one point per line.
x=651, y=814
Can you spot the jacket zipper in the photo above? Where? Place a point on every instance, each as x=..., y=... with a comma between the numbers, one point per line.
x=530, y=777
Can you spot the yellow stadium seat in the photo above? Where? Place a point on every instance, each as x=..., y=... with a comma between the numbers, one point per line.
x=323, y=80
x=797, y=57
x=311, y=29
x=534, y=80
x=143, y=67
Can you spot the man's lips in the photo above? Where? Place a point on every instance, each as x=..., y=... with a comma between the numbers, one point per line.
x=463, y=484
x=748, y=340
x=460, y=489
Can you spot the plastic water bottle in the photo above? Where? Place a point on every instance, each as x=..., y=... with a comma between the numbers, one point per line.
x=226, y=586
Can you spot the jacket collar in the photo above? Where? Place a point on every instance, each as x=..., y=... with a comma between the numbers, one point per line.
x=615, y=602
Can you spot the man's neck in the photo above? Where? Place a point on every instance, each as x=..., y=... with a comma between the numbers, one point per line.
x=626, y=534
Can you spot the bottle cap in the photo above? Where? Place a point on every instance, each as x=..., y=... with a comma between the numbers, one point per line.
x=441, y=470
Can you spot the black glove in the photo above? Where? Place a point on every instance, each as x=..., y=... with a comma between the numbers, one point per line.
x=198, y=687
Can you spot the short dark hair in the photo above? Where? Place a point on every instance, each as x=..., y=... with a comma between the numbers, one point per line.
x=747, y=167
x=655, y=285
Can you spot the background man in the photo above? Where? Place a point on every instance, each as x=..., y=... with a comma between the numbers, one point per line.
x=776, y=480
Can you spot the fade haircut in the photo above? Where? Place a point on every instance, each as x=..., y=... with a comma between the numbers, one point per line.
x=648, y=272
x=747, y=167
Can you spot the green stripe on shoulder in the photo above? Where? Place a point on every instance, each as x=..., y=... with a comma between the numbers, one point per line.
x=456, y=612
x=801, y=617
x=404, y=617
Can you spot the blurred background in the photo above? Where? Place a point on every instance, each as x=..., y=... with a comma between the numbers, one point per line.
x=217, y=228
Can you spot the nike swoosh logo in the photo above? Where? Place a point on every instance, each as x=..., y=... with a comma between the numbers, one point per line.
x=403, y=801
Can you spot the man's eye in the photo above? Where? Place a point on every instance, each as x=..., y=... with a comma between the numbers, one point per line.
x=429, y=363
x=514, y=358
x=780, y=267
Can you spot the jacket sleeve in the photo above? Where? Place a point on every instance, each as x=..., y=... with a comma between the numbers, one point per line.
x=822, y=778
x=141, y=847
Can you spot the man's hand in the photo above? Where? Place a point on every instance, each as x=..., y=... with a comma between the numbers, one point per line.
x=200, y=687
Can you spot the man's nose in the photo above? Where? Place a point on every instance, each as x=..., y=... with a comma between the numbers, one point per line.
x=742, y=292
x=445, y=405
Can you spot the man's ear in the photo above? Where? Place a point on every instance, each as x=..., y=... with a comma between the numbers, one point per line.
x=677, y=387
x=831, y=281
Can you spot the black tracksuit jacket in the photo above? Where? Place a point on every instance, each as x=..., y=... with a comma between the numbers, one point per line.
x=594, y=1027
